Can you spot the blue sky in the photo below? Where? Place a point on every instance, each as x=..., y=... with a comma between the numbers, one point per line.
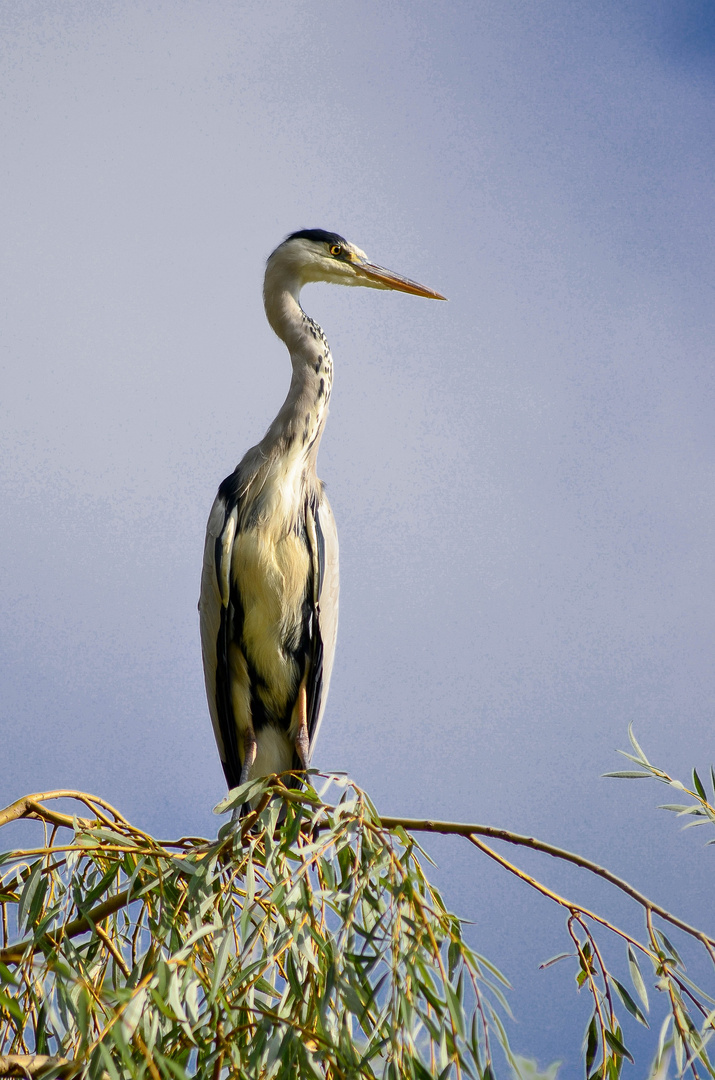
x=522, y=478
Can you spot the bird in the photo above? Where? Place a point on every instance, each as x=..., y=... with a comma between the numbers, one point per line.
x=268, y=608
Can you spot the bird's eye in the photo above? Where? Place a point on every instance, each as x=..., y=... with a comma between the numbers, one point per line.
x=336, y=249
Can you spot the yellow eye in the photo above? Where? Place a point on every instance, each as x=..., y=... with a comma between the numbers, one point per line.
x=336, y=249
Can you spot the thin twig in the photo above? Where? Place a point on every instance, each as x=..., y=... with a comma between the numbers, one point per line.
x=570, y=906
x=586, y=966
x=470, y=831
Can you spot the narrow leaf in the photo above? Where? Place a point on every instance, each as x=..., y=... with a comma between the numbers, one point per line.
x=637, y=977
x=669, y=946
x=455, y=1008
x=28, y=892
x=616, y=1045
x=219, y=968
x=591, y=1044
x=661, y=1037
x=555, y=960
x=239, y=795
x=635, y=745
x=629, y=1002
x=628, y=774
x=12, y=1006
x=132, y=1014
x=699, y=786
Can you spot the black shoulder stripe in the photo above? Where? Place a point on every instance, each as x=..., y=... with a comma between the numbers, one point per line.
x=231, y=616
x=321, y=547
x=224, y=705
x=230, y=489
x=315, y=687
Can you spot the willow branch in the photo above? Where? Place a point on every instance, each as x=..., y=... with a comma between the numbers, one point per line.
x=471, y=831
x=562, y=901
x=36, y=1064
x=31, y=806
x=14, y=954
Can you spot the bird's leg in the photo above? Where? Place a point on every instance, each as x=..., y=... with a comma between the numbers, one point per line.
x=300, y=721
x=250, y=747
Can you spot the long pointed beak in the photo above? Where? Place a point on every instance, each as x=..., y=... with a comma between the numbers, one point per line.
x=385, y=279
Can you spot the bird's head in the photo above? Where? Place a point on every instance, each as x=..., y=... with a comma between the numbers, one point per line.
x=317, y=255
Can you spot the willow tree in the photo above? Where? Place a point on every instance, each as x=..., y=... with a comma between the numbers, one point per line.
x=304, y=941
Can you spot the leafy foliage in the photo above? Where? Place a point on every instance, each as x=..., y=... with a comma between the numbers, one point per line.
x=305, y=941
x=700, y=809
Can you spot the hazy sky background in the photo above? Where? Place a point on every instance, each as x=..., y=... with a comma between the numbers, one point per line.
x=522, y=478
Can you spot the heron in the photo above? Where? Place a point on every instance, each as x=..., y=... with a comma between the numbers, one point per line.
x=269, y=587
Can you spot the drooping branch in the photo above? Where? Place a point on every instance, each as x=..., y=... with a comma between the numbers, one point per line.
x=29, y=1065
x=470, y=831
x=255, y=864
x=32, y=807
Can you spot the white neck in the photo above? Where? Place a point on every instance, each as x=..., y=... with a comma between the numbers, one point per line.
x=300, y=422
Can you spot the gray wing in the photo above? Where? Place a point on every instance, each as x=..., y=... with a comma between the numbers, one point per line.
x=215, y=617
x=323, y=541
x=218, y=616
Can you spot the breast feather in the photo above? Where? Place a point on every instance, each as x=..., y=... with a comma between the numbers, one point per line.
x=271, y=572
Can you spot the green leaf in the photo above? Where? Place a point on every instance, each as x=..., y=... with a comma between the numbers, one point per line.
x=172, y=1068
x=219, y=967
x=28, y=893
x=10, y=1004
x=629, y=1002
x=637, y=977
x=493, y=970
x=132, y=1014
x=636, y=747
x=617, y=1046
x=174, y=999
x=239, y=795
x=661, y=1037
x=555, y=959
x=7, y=976
x=108, y=1062
x=455, y=1009
x=453, y=954
x=669, y=946
x=353, y=1001
x=629, y=774
x=591, y=1043
x=108, y=835
x=91, y=896
x=699, y=787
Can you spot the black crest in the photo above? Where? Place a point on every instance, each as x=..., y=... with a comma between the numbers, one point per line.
x=317, y=235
